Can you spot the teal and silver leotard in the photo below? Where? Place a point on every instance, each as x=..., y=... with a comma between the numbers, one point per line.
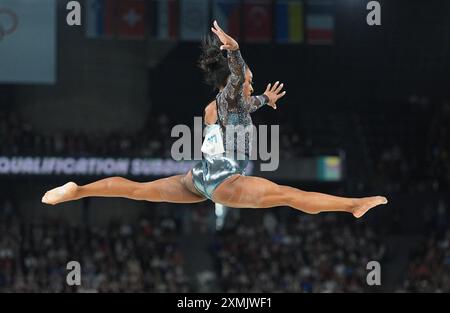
x=236, y=127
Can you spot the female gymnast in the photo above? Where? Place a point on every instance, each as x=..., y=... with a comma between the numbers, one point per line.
x=221, y=177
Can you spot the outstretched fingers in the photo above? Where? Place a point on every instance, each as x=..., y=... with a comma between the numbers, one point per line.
x=228, y=43
x=280, y=86
x=275, y=93
x=281, y=95
x=221, y=34
x=216, y=25
x=275, y=86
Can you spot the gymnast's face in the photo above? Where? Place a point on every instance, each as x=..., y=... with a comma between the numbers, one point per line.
x=248, y=83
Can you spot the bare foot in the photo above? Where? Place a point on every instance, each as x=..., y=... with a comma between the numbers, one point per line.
x=365, y=204
x=60, y=194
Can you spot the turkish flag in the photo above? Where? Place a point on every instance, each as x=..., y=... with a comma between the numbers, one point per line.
x=258, y=20
x=131, y=14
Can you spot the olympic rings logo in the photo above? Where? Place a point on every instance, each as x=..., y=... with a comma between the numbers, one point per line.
x=8, y=22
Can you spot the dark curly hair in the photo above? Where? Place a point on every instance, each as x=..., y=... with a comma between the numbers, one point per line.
x=213, y=62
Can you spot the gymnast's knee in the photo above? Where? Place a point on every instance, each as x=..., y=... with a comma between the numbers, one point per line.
x=294, y=198
x=110, y=181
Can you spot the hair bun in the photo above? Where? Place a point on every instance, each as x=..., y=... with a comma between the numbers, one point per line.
x=212, y=58
x=213, y=62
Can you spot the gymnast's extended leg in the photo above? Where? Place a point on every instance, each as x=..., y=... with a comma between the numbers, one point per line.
x=170, y=189
x=255, y=192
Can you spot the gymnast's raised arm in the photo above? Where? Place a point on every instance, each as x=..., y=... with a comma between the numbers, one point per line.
x=233, y=89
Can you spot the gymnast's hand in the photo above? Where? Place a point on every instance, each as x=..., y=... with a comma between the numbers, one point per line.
x=228, y=42
x=274, y=93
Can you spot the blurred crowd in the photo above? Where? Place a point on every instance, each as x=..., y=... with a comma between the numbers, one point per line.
x=309, y=253
x=411, y=147
x=429, y=268
x=18, y=137
x=143, y=257
x=273, y=253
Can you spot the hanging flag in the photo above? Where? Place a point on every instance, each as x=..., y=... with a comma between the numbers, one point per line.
x=131, y=15
x=194, y=16
x=228, y=14
x=163, y=19
x=320, y=22
x=289, y=21
x=258, y=20
x=99, y=18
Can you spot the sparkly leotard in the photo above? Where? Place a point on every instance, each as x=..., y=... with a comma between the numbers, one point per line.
x=233, y=116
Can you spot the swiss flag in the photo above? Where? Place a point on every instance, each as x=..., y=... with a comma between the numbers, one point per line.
x=258, y=20
x=131, y=19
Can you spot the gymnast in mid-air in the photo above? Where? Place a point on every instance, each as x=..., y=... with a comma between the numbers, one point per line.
x=220, y=175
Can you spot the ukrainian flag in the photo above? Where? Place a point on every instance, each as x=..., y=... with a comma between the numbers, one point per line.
x=289, y=21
